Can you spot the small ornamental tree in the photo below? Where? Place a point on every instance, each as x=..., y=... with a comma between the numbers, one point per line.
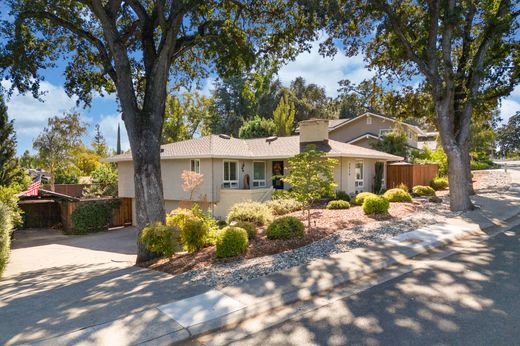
x=191, y=182
x=311, y=176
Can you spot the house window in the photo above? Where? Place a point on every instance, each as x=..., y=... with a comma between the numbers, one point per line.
x=383, y=132
x=195, y=166
x=231, y=174
x=359, y=183
x=369, y=120
x=258, y=174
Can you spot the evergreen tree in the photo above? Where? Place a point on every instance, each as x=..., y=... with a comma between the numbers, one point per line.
x=118, y=148
x=283, y=116
x=99, y=143
x=10, y=170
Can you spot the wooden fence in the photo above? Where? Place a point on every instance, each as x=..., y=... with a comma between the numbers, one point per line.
x=121, y=216
x=73, y=190
x=410, y=174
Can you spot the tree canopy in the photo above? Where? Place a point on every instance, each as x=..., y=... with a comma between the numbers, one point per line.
x=508, y=137
x=10, y=170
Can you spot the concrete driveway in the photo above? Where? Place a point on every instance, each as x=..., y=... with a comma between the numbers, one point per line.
x=55, y=284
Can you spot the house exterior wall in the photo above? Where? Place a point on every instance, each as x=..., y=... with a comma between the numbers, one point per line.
x=361, y=126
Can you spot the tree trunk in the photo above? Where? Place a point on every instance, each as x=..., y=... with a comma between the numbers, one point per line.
x=146, y=150
x=458, y=178
x=467, y=171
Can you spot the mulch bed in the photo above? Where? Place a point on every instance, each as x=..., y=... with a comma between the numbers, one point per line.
x=324, y=223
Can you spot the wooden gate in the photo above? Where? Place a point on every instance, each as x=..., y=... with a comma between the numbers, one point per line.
x=410, y=174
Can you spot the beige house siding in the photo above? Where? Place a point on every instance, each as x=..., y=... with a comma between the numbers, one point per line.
x=360, y=126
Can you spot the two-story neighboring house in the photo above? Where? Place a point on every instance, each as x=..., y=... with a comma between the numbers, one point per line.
x=237, y=170
x=364, y=129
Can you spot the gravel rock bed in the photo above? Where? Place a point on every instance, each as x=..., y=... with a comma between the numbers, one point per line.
x=427, y=213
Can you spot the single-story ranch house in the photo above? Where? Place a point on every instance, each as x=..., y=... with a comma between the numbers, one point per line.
x=237, y=170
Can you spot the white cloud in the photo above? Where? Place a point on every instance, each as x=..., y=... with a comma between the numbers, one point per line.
x=108, y=125
x=508, y=108
x=325, y=71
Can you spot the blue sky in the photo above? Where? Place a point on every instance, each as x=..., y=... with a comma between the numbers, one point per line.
x=30, y=115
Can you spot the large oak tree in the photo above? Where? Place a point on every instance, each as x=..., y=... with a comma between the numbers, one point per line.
x=466, y=52
x=140, y=48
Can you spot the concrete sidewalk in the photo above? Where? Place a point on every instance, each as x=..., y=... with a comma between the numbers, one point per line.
x=180, y=319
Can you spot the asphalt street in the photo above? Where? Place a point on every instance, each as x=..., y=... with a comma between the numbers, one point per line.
x=470, y=298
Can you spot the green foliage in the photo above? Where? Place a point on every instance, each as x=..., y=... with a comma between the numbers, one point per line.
x=233, y=242
x=338, y=204
x=85, y=160
x=67, y=175
x=104, y=182
x=508, y=137
x=439, y=183
x=360, y=197
x=6, y=228
x=311, y=176
x=421, y=190
x=249, y=227
x=342, y=195
x=10, y=170
x=310, y=100
x=213, y=236
x=286, y=227
x=280, y=194
x=9, y=198
x=397, y=195
x=160, y=239
x=481, y=164
x=403, y=187
x=375, y=205
x=378, y=177
x=426, y=155
x=283, y=116
x=284, y=206
x=258, y=213
x=89, y=217
x=394, y=143
x=257, y=128
x=99, y=143
x=194, y=234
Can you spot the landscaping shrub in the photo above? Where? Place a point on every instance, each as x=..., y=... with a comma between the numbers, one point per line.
x=403, y=187
x=284, y=206
x=233, y=242
x=439, y=183
x=258, y=213
x=249, y=227
x=212, y=236
x=221, y=223
x=193, y=234
x=421, y=190
x=91, y=217
x=342, y=196
x=338, y=204
x=8, y=196
x=161, y=239
x=5, y=235
x=360, y=197
x=397, y=195
x=280, y=194
x=178, y=217
x=375, y=205
x=286, y=227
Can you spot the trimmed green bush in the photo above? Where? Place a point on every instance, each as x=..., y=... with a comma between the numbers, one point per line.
x=439, y=183
x=161, y=239
x=193, y=234
x=212, y=236
x=286, y=227
x=360, y=197
x=258, y=213
x=421, y=190
x=249, y=227
x=6, y=227
x=342, y=196
x=284, y=206
x=397, y=195
x=91, y=217
x=233, y=242
x=375, y=205
x=338, y=204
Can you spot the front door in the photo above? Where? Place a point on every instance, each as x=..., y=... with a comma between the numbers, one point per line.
x=277, y=171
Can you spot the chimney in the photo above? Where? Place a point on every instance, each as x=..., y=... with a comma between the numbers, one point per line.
x=314, y=130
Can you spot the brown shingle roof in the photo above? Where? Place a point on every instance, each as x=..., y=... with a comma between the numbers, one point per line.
x=259, y=148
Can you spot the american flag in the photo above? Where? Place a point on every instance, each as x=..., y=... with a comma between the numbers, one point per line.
x=35, y=186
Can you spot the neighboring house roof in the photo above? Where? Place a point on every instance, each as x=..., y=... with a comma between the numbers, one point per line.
x=337, y=123
x=363, y=136
x=215, y=146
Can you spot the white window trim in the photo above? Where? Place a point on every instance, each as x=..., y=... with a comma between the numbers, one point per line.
x=359, y=183
x=261, y=182
x=369, y=120
x=197, y=165
x=232, y=184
